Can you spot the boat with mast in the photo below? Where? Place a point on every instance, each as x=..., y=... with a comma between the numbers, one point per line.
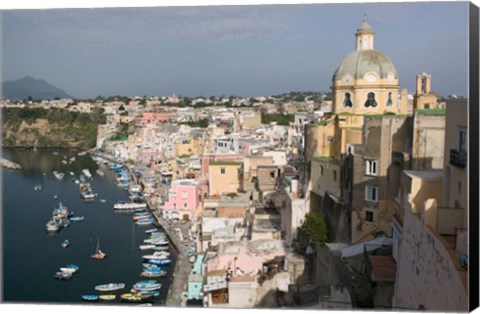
x=98, y=253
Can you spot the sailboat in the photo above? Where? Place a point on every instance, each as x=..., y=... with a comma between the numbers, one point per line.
x=98, y=253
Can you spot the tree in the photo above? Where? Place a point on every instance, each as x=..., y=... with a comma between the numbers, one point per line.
x=315, y=227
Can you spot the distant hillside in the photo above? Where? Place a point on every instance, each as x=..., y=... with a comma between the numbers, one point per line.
x=29, y=86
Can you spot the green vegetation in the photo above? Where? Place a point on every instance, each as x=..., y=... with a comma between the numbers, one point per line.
x=279, y=118
x=433, y=112
x=315, y=227
x=202, y=123
x=61, y=128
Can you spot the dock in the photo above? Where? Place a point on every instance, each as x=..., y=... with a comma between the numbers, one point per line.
x=9, y=164
x=182, y=266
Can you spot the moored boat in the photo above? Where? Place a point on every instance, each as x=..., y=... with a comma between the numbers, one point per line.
x=100, y=172
x=77, y=218
x=107, y=297
x=98, y=255
x=62, y=275
x=87, y=173
x=160, y=262
x=127, y=205
x=37, y=187
x=59, y=175
x=90, y=297
x=110, y=287
x=153, y=274
x=147, y=286
x=65, y=243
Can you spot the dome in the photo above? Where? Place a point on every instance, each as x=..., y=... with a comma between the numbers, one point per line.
x=360, y=62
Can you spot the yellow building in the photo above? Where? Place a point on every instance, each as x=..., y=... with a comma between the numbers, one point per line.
x=225, y=177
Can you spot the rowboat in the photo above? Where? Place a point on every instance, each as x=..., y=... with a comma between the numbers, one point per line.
x=157, y=255
x=147, y=286
x=147, y=247
x=135, y=297
x=149, y=231
x=161, y=248
x=77, y=218
x=68, y=270
x=151, y=267
x=110, y=287
x=107, y=297
x=90, y=297
x=160, y=262
x=154, y=293
x=62, y=276
x=153, y=274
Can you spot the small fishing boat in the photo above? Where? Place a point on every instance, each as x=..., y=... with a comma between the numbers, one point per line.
x=157, y=255
x=81, y=153
x=65, y=243
x=136, y=297
x=110, y=287
x=90, y=297
x=150, y=231
x=153, y=274
x=55, y=196
x=150, y=267
x=77, y=218
x=64, y=162
x=127, y=205
x=140, y=217
x=103, y=200
x=72, y=173
x=160, y=262
x=161, y=248
x=154, y=293
x=146, y=247
x=59, y=175
x=99, y=255
x=147, y=286
x=107, y=297
x=68, y=270
x=37, y=187
x=62, y=276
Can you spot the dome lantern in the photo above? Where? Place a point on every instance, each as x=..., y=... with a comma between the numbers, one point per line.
x=364, y=37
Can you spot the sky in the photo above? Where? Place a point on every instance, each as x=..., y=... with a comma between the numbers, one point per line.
x=248, y=50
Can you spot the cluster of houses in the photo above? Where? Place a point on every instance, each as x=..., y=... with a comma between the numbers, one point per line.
x=386, y=170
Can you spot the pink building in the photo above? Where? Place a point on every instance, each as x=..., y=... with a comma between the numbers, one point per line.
x=153, y=117
x=184, y=197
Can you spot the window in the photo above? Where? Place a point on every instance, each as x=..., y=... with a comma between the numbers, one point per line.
x=462, y=140
x=371, y=167
x=347, y=102
x=389, y=101
x=369, y=216
x=184, y=194
x=335, y=175
x=371, y=102
x=371, y=193
x=185, y=205
x=321, y=170
x=222, y=170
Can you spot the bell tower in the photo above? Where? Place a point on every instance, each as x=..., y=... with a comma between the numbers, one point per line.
x=424, y=98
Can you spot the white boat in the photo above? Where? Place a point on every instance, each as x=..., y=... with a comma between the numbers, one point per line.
x=87, y=173
x=81, y=153
x=100, y=172
x=147, y=247
x=59, y=175
x=110, y=287
x=72, y=173
x=68, y=270
x=127, y=205
x=157, y=255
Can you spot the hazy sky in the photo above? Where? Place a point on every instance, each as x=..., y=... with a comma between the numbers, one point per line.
x=229, y=50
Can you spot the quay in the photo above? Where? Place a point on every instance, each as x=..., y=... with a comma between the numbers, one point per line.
x=182, y=269
x=179, y=281
x=9, y=164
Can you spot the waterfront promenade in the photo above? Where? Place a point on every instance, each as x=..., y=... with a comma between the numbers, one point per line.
x=182, y=266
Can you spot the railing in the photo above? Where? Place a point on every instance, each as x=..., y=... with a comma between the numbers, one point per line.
x=458, y=158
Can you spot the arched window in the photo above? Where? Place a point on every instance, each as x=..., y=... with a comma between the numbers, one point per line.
x=389, y=101
x=347, y=102
x=371, y=102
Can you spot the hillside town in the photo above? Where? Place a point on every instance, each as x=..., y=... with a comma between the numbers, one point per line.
x=353, y=198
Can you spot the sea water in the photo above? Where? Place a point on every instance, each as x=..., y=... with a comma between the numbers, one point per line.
x=32, y=256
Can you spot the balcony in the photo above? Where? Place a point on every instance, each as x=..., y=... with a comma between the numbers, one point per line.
x=458, y=158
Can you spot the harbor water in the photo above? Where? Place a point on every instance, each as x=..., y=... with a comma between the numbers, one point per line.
x=32, y=256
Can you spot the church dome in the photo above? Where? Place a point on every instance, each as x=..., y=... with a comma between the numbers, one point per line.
x=360, y=62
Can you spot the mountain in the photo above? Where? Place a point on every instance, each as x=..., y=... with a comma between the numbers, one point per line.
x=29, y=86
